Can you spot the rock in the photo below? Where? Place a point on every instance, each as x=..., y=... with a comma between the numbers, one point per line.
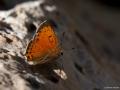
x=86, y=64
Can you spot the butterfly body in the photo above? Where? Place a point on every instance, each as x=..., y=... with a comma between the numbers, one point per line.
x=44, y=47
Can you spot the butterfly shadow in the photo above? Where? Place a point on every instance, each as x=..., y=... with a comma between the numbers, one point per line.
x=47, y=70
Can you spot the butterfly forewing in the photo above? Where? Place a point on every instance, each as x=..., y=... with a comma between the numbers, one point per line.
x=44, y=46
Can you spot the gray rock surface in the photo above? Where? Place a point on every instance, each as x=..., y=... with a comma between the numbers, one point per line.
x=89, y=36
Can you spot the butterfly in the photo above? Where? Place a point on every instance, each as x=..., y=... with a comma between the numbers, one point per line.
x=44, y=46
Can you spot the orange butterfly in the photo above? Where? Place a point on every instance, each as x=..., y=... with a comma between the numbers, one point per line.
x=44, y=47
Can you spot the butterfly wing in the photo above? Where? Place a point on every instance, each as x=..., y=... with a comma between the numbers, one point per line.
x=44, y=46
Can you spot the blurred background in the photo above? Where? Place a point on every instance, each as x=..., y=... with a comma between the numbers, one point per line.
x=97, y=23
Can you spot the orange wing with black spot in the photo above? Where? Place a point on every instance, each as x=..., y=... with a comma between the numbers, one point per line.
x=44, y=47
